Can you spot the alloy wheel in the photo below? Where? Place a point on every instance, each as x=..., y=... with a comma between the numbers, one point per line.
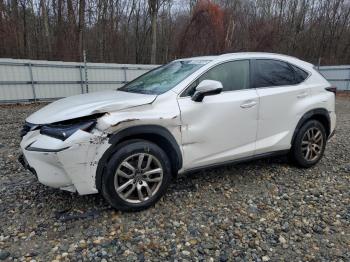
x=138, y=177
x=311, y=144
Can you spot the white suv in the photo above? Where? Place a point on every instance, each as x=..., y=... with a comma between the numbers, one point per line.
x=189, y=114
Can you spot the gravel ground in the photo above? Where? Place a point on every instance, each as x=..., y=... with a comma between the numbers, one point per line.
x=265, y=210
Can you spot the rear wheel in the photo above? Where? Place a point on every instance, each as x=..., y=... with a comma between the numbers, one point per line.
x=309, y=144
x=136, y=176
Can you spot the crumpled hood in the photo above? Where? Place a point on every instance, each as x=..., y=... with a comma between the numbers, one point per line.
x=88, y=104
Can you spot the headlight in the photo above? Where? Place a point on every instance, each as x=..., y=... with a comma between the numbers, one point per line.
x=62, y=130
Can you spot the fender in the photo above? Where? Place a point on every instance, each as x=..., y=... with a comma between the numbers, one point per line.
x=317, y=112
x=142, y=131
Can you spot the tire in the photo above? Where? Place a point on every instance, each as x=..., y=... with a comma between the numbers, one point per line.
x=144, y=188
x=308, y=135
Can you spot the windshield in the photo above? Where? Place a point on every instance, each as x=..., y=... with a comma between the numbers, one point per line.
x=163, y=78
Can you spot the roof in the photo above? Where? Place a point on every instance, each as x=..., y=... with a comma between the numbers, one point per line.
x=250, y=55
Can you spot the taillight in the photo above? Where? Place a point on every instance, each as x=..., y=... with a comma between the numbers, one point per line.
x=332, y=89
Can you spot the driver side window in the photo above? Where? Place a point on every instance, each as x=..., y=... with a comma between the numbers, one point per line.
x=233, y=76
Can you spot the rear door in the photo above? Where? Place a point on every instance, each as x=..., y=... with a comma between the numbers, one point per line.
x=282, y=94
x=222, y=127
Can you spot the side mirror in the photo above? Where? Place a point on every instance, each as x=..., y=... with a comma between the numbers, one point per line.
x=206, y=88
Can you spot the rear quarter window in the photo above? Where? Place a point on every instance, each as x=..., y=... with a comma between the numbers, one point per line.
x=270, y=73
x=300, y=74
x=274, y=73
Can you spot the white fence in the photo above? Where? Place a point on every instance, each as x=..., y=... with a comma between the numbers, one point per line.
x=338, y=76
x=30, y=80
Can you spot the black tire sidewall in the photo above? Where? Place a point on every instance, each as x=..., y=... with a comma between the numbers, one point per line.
x=296, y=150
x=124, y=150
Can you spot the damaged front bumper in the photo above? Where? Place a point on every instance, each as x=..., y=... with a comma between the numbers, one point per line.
x=68, y=165
x=23, y=161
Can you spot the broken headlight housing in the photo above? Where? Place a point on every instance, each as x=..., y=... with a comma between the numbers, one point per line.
x=27, y=127
x=63, y=130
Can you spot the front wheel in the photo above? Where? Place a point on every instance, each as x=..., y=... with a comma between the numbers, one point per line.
x=136, y=176
x=309, y=144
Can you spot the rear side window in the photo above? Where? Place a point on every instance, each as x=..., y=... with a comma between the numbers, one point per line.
x=268, y=73
x=233, y=76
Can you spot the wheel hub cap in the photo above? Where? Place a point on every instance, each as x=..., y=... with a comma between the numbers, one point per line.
x=139, y=176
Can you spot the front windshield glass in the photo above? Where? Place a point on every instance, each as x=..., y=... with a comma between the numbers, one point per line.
x=163, y=78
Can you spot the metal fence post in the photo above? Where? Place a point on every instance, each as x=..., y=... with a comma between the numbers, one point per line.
x=81, y=79
x=125, y=76
x=86, y=73
x=348, y=85
x=32, y=80
x=319, y=64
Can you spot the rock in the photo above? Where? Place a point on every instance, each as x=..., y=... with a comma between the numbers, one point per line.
x=282, y=240
x=82, y=244
x=98, y=241
x=193, y=242
x=4, y=254
x=285, y=227
x=317, y=229
x=186, y=253
x=223, y=258
x=208, y=246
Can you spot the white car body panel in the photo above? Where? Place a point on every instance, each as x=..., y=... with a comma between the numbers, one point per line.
x=88, y=104
x=223, y=119
x=277, y=111
x=281, y=108
x=213, y=131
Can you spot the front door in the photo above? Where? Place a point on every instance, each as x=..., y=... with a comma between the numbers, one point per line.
x=222, y=127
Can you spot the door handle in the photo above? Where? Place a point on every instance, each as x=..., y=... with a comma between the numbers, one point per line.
x=248, y=104
x=302, y=95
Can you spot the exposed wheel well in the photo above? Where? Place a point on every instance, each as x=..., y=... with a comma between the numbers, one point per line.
x=319, y=114
x=163, y=143
x=155, y=134
x=323, y=120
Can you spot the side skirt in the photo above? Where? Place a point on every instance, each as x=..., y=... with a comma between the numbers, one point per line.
x=238, y=161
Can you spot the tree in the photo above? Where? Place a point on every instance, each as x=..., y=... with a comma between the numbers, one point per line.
x=46, y=26
x=157, y=31
x=204, y=34
x=153, y=11
x=81, y=28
